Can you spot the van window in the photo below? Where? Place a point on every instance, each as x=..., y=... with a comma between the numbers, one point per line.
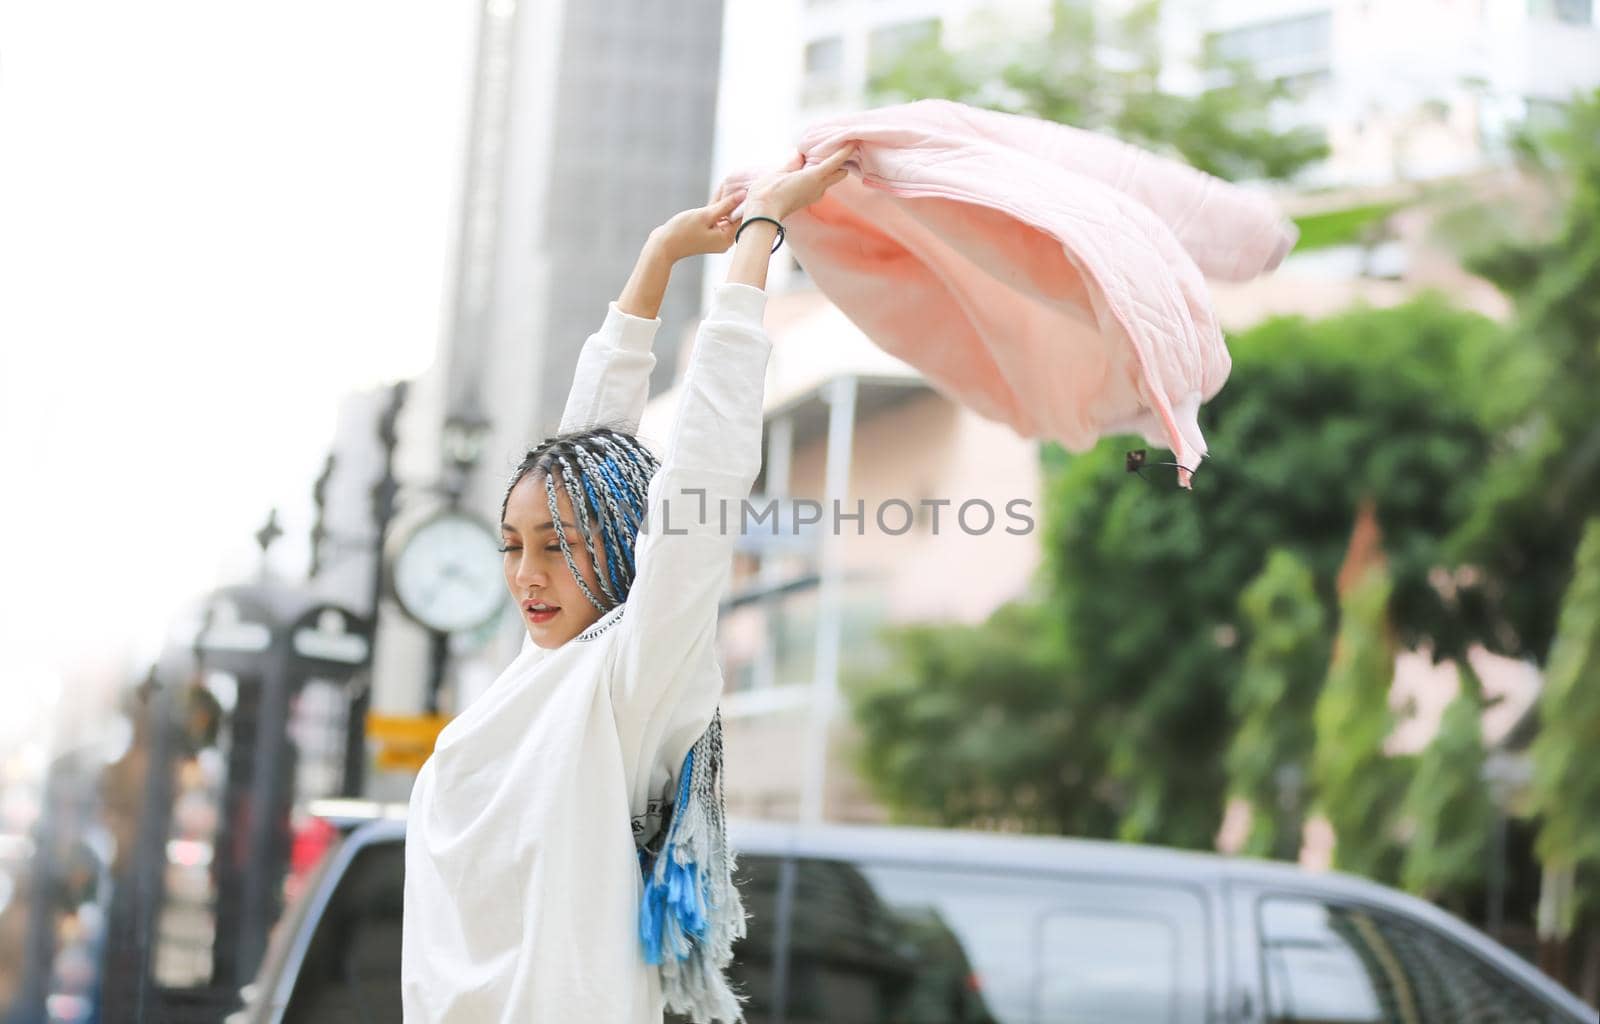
x=1337, y=964
x=882, y=944
x=351, y=971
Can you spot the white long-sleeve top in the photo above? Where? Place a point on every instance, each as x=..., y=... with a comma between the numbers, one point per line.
x=522, y=882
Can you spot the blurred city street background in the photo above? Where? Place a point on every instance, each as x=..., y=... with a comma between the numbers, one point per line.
x=286, y=291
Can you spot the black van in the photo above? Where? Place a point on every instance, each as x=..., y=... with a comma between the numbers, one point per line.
x=852, y=925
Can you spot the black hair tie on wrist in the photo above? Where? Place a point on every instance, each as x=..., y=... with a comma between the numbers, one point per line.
x=751, y=220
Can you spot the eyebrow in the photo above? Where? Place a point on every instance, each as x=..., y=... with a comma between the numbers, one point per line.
x=546, y=525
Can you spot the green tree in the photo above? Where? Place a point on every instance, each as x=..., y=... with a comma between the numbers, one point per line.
x=1272, y=702
x=1545, y=481
x=1448, y=804
x=1315, y=416
x=1102, y=72
x=1358, y=785
x=1105, y=708
x=980, y=725
x=1566, y=771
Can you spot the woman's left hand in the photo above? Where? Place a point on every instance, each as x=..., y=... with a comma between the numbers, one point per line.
x=703, y=230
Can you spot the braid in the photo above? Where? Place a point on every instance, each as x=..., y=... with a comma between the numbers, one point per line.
x=606, y=512
x=635, y=465
x=574, y=483
x=561, y=538
x=606, y=475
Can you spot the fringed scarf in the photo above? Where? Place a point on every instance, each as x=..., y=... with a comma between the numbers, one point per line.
x=691, y=913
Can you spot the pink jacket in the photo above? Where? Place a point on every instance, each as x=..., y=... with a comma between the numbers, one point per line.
x=1047, y=277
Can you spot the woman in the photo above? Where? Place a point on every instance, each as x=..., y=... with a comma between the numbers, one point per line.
x=565, y=859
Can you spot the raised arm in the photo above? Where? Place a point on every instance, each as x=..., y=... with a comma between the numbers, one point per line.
x=612, y=380
x=713, y=453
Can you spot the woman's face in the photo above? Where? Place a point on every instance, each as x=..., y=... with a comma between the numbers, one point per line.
x=536, y=571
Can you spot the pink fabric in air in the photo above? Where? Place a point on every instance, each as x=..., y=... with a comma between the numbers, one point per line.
x=1047, y=277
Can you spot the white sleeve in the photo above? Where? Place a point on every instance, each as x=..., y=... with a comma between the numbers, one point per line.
x=665, y=674
x=612, y=379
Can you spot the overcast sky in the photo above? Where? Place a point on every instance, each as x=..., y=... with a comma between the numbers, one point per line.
x=215, y=220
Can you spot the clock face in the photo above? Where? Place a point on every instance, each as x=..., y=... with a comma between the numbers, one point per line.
x=448, y=574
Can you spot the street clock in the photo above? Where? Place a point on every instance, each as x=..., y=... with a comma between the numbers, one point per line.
x=446, y=573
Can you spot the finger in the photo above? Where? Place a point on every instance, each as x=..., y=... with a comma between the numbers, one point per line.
x=795, y=162
x=835, y=160
x=724, y=206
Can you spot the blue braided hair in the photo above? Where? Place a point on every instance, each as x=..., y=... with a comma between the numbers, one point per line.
x=606, y=474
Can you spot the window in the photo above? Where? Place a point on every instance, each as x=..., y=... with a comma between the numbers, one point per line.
x=824, y=70
x=825, y=56
x=792, y=632
x=887, y=44
x=873, y=943
x=1297, y=41
x=1570, y=12
x=1103, y=965
x=351, y=969
x=1347, y=965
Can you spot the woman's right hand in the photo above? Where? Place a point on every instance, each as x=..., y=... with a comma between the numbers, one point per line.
x=795, y=186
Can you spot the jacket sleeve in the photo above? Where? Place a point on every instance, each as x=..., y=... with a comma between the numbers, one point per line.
x=665, y=681
x=612, y=380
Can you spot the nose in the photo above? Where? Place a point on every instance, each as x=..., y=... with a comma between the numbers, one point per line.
x=530, y=574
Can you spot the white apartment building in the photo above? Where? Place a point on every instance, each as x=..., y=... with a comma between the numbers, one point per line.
x=1405, y=89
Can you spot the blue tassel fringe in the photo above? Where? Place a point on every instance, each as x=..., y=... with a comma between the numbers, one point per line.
x=691, y=914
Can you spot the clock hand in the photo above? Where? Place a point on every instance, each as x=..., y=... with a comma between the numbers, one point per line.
x=439, y=584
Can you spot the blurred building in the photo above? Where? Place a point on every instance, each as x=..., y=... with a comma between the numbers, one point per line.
x=846, y=423
x=591, y=123
x=1405, y=89
x=936, y=516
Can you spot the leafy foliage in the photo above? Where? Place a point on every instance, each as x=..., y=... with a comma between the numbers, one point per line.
x=1283, y=669
x=1104, y=709
x=1102, y=72
x=1316, y=416
x=982, y=726
x=1358, y=784
x=1545, y=483
x=1448, y=804
x=1340, y=227
x=1566, y=780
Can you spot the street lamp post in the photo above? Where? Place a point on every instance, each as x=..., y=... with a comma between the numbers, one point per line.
x=383, y=506
x=462, y=440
